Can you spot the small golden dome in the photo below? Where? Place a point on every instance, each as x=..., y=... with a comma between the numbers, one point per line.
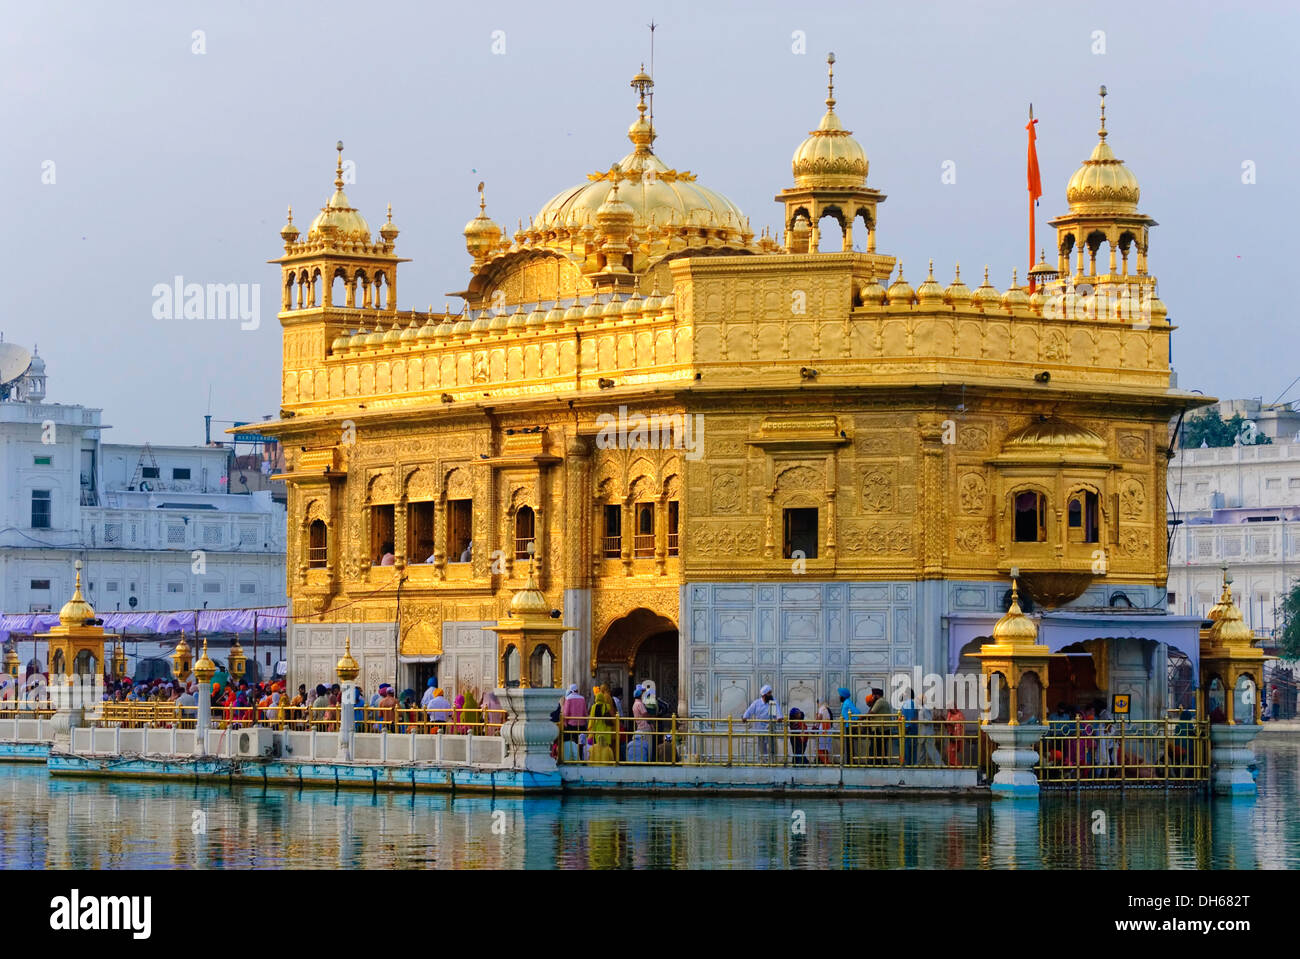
x=347, y=667
x=530, y=601
x=1103, y=184
x=958, y=293
x=986, y=295
x=410, y=333
x=338, y=219
x=873, y=294
x=593, y=310
x=653, y=303
x=462, y=326
x=573, y=315
x=481, y=323
x=482, y=234
x=500, y=321
x=1015, y=628
x=204, y=668
x=76, y=610
x=1230, y=628
x=1154, y=309
x=427, y=331
x=394, y=335
x=341, y=342
x=357, y=341
x=376, y=339
x=1014, y=298
x=389, y=230
x=632, y=308
x=518, y=319
x=536, y=319
x=900, y=292
x=830, y=156
x=555, y=316
x=929, y=293
x=289, y=232
x=667, y=304
x=1042, y=272
x=443, y=329
x=613, y=309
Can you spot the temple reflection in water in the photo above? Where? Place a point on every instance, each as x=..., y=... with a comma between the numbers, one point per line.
x=52, y=823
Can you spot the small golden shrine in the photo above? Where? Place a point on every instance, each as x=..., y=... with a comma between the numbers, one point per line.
x=1228, y=653
x=529, y=633
x=1015, y=653
x=77, y=643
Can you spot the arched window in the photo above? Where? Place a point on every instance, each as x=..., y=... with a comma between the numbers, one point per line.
x=1084, y=523
x=644, y=542
x=316, y=549
x=525, y=532
x=1030, y=518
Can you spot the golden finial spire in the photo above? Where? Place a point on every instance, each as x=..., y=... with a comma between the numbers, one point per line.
x=390, y=213
x=986, y=274
x=291, y=214
x=830, y=82
x=1102, y=132
x=957, y=278
x=930, y=278
x=338, y=170
x=1015, y=277
x=482, y=203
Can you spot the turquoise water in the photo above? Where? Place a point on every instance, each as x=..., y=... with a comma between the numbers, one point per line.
x=68, y=823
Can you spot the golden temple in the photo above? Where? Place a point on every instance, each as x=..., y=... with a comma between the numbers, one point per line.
x=736, y=458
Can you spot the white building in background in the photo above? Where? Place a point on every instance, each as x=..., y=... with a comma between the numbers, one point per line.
x=1239, y=506
x=155, y=527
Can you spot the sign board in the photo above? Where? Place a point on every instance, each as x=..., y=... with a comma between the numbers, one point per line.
x=1119, y=704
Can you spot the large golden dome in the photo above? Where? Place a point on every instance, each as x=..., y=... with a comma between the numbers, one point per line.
x=655, y=193
x=830, y=157
x=338, y=219
x=1103, y=184
x=76, y=610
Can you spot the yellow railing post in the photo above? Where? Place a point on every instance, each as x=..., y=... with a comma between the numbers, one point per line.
x=1123, y=736
x=728, y=740
x=672, y=734
x=902, y=739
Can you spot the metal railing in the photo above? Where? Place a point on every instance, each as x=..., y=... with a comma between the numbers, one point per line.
x=871, y=741
x=613, y=547
x=1112, y=752
x=26, y=709
x=672, y=544
x=643, y=544
x=128, y=715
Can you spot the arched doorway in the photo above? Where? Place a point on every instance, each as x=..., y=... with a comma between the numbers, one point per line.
x=641, y=645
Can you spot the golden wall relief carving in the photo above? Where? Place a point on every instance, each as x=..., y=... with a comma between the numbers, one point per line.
x=972, y=439
x=1132, y=498
x=877, y=491
x=422, y=484
x=800, y=478
x=380, y=488
x=876, y=538
x=725, y=491
x=1132, y=446
x=973, y=538
x=725, y=540
x=973, y=493
x=610, y=605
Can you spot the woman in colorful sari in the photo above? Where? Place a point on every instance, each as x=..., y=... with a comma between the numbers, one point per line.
x=493, y=714
x=600, y=724
x=955, y=723
x=469, y=718
x=823, y=726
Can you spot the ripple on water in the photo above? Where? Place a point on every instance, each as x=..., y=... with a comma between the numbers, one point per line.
x=98, y=824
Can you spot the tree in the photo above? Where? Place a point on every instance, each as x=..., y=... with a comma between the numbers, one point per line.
x=1289, y=646
x=1212, y=429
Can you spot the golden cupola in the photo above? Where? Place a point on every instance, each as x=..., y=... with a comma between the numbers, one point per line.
x=76, y=611
x=482, y=234
x=1103, y=184
x=338, y=220
x=830, y=156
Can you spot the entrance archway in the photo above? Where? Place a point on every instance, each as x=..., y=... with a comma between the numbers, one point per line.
x=641, y=645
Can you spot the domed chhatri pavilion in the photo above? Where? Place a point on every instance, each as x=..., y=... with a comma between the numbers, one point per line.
x=816, y=475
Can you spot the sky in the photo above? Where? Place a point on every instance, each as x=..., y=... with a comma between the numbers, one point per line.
x=148, y=140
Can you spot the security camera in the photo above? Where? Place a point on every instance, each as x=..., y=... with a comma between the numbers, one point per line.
x=555, y=614
x=1042, y=377
x=808, y=373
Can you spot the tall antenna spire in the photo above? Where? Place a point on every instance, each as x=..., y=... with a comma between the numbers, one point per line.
x=652, y=26
x=830, y=82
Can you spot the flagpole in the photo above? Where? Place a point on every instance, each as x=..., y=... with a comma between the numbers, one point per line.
x=1029, y=271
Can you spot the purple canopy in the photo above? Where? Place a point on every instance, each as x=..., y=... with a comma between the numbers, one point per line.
x=209, y=621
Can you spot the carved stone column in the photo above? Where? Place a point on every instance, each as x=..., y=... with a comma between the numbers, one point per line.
x=578, y=520
x=931, y=503
x=440, y=536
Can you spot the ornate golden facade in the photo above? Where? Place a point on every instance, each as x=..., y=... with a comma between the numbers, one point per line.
x=780, y=379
